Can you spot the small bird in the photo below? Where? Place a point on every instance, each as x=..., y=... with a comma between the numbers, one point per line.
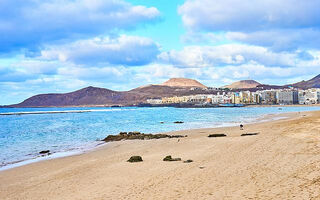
x=241, y=127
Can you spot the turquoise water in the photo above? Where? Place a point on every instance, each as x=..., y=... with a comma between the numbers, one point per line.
x=23, y=136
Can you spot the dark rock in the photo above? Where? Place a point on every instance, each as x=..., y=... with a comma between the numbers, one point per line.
x=138, y=136
x=188, y=161
x=134, y=133
x=217, y=135
x=44, y=152
x=169, y=158
x=249, y=134
x=135, y=159
x=111, y=138
x=178, y=122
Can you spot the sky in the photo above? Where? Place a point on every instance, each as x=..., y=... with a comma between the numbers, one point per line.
x=57, y=46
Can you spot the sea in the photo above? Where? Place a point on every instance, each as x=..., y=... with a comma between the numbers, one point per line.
x=24, y=132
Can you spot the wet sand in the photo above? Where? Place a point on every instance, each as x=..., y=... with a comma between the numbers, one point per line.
x=281, y=162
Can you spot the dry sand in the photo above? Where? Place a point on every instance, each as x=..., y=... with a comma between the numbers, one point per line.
x=282, y=162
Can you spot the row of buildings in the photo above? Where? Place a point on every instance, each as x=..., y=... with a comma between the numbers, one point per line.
x=281, y=96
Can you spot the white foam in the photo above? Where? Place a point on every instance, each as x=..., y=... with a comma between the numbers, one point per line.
x=52, y=156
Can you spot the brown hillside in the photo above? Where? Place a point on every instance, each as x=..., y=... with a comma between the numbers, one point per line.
x=312, y=83
x=243, y=84
x=183, y=82
x=91, y=96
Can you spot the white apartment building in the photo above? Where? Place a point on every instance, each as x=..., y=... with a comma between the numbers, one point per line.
x=311, y=96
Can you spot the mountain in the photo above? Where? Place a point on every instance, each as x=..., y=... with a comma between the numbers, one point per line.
x=243, y=84
x=91, y=96
x=183, y=82
x=158, y=91
x=251, y=84
x=312, y=83
x=85, y=96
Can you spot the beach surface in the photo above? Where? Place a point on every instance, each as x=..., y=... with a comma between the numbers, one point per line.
x=281, y=162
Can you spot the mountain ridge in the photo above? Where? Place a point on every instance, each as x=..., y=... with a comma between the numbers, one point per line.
x=95, y=96
x=312, y=83
x=90, y=96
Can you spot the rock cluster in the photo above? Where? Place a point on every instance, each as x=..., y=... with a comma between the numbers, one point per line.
x=167, y=158
x=138, y=136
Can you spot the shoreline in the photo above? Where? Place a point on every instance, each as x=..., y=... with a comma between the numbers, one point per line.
x=55, y=155
x=124, y=106
x=281, y=162
x=95, y=145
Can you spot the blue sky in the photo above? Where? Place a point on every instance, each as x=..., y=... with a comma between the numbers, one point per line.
x=58, y=46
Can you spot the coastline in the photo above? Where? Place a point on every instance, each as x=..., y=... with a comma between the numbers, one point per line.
x=54, y=155
x=273, y=164
x=136, y=105
x=96, y=144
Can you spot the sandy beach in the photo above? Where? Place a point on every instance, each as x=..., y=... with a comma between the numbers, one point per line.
x=281, y=162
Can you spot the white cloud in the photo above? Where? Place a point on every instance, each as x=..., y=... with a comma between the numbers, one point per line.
x=104, y=74
x=282, y=25
x=124, y=50
x=14, y=75
x=228, y=54
x=28, y=24
x=32, y=66
x=247, y=15
x=280, y=40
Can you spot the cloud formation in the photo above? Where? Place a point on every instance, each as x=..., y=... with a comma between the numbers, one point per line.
x=64, y=45
x=231, y=54
x=248, y=15
x=280, y=40
x=28, y=24
x=123, y=50
x=282, y=25
x=10, y=75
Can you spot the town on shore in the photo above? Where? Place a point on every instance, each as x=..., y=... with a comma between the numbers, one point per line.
x=227, y=98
